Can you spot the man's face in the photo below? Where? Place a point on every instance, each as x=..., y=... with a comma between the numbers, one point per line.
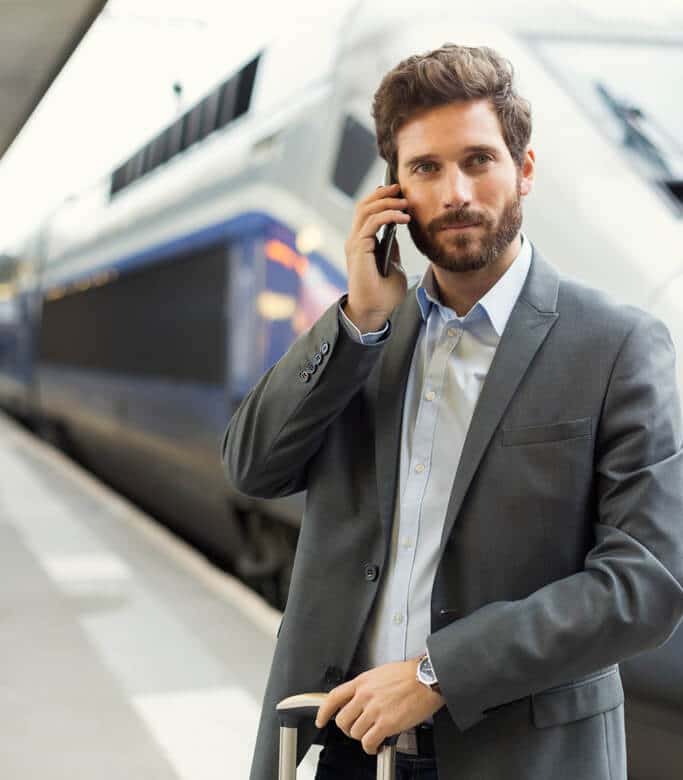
x=455, y=169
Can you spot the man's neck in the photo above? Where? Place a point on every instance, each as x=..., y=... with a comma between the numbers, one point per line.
x=460, y=290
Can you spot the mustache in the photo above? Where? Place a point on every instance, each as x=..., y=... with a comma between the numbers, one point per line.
x=456, y=219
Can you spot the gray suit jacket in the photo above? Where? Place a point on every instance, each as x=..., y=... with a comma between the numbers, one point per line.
x=562, y=552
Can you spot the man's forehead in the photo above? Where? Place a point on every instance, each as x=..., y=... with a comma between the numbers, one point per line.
x=450, y=129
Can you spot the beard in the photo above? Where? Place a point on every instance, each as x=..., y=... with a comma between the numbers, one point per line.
x=464, y=251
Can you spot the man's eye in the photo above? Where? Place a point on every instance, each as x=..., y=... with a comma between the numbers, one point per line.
x=481, y=158
x=424, y=165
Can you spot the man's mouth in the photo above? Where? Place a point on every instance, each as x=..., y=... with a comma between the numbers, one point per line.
x=460, y=227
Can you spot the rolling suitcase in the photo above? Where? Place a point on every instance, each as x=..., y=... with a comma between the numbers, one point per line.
x=293, y=711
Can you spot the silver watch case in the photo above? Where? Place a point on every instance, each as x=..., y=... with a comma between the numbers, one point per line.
x=425, y=672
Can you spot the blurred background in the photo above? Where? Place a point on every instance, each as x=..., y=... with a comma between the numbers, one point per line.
x=177, y=181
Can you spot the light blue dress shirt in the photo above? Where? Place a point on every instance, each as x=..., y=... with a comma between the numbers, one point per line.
x=450, y=362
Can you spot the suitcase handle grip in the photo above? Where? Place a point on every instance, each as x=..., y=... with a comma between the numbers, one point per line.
x=296, y=709
x=304, y=706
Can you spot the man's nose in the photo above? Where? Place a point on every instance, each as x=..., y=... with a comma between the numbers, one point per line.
x=457, y=188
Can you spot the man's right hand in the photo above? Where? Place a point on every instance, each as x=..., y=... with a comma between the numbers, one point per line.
x=372, y=297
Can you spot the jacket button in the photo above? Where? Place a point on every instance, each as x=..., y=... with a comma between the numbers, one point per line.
x=371, y=572
x=333, y=677
x=304, y=376
x=311, y=368
x=324, y=348
x=317, y=358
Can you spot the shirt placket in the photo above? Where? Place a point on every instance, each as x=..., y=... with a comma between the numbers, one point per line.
x=417, y=480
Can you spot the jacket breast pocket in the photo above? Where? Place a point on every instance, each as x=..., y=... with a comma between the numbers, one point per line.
x=535, y=434
x=591, y=695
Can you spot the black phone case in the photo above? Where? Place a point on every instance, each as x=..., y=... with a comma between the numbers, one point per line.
x=387, y=236
x=384, y=247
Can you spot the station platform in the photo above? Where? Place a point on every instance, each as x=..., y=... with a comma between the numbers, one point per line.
x=125, y=654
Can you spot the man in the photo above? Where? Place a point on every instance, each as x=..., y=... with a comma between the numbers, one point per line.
x=493, y=469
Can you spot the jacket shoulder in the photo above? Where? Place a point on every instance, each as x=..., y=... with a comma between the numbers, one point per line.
x=587, y=308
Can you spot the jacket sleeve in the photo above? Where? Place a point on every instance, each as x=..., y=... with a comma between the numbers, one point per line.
x=628, y=598
x=281, y=423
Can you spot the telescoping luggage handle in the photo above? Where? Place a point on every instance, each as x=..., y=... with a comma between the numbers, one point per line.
x=295, y=710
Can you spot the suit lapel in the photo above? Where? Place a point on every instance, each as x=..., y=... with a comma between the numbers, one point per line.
x=394, y=371
x=531, y=319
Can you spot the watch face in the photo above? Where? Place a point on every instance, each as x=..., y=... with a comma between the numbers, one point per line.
x=426, y=671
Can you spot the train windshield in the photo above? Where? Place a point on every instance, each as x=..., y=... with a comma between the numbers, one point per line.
x=631, y=90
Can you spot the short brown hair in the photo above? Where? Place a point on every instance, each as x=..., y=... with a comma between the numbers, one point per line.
x=446, y=75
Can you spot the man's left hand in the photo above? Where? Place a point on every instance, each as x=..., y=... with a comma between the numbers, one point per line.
x=380, y=703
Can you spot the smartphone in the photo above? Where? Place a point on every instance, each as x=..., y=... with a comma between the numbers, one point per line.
x=387, y=235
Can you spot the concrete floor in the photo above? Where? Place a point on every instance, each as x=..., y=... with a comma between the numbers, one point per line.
x=124, y=653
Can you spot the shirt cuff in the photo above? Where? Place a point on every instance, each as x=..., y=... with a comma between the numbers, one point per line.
x=372, y=337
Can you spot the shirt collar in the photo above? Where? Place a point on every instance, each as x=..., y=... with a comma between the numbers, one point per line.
x=496, y=304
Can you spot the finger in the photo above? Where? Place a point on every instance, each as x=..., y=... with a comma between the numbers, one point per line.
x=380, y=190
x=383, y=191
x=373, y=739
x=361, y=725
x=348, y=715
x=364, y=211
x=326, y=710
x=384, y=203
x=367, y=245
x=381, y=205
x=336, y=699
x=375, y=222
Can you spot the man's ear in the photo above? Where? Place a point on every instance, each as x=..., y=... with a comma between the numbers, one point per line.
x=527, y=172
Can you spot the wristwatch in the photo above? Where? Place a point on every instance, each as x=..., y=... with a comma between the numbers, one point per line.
x=426, y=674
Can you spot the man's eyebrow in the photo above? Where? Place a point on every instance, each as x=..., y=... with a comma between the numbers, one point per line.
x=481, y=148
x=467, y=150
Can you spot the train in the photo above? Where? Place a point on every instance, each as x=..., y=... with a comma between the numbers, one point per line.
x=137, y=315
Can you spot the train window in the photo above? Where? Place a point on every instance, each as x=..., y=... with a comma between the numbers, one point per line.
x=165, y=144
x=118, y=180
x=192, y=126
x=626, y=87
x=216, y=110
x=357, y=152
x=126, y=176
x=138, y=164
x=210, y=106
x=227, y=102
x=131, y=170
x=175, y=136
x=247, y=77
x=157, y=151
x=166, y=319
x=235, y=94
x=147, y=159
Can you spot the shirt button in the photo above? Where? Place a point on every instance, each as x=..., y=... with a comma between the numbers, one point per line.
x=398, y=618
x=430, y=396
x=407, y=542
x=420, y=468
x=371, y=572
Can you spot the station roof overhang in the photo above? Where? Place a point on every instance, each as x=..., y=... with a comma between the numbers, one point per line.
x=37, y=37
